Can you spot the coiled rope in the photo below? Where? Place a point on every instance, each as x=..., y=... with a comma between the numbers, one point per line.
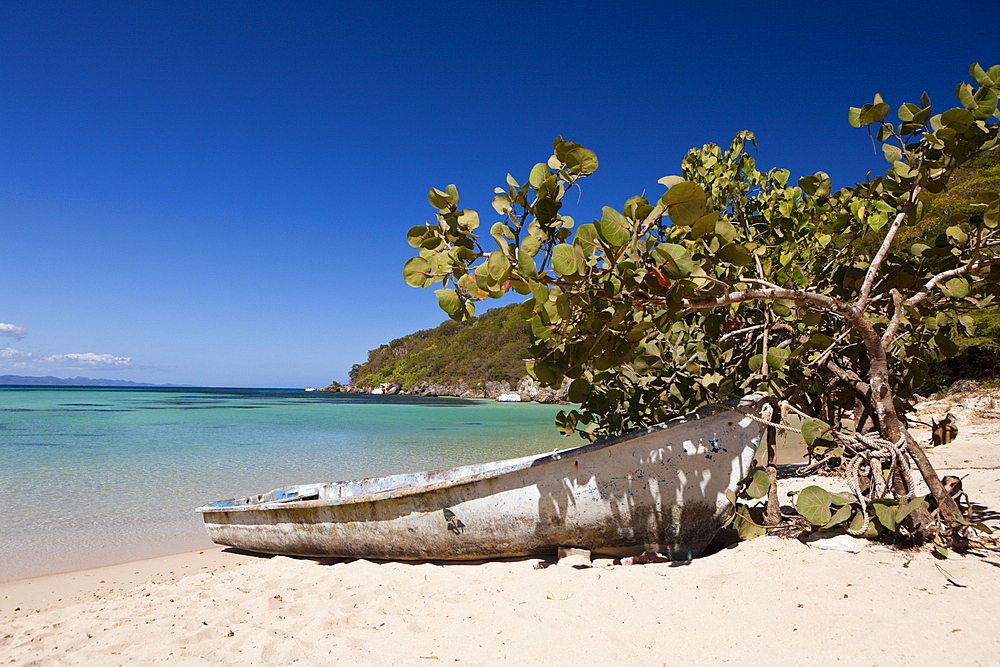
x=867, y=449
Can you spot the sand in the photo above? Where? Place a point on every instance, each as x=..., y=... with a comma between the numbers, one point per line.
x=767, y=601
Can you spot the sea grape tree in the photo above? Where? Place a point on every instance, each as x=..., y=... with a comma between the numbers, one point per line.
x=737, y=280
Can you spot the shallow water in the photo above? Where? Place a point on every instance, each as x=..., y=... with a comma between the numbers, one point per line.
x=91, y=476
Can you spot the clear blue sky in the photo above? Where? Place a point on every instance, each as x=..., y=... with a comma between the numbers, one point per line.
x=217, y=193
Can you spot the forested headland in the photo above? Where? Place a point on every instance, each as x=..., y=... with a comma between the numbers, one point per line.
x=480, y=358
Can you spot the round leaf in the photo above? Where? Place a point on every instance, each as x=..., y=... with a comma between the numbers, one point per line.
x=538, y=174
x=564, y=260
x=677, y=262
x=956, y=287
x=449, y=301
x=813, y=429
x=614, y=227
x=685, y=203
x=416, y=272
x=735, y=254
x=776, y=357
x=759, y=484
x=813, y=503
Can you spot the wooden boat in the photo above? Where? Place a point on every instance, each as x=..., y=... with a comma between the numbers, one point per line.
x=662, y=488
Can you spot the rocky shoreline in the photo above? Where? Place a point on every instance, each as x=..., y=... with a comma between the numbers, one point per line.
x=525, y=391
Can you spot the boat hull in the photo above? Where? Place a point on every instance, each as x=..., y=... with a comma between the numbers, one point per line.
x=661, y=488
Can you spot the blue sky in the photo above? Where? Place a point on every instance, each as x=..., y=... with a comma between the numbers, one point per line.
x=217, y=193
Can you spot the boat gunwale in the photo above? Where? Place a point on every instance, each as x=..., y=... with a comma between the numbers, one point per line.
x=514, y=465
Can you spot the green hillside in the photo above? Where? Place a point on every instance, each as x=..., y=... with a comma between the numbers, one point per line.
x=489, y=348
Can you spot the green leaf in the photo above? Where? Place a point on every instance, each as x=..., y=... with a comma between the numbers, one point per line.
x=677, y=261
x=468, y=219
x=415, y=237
x=886, y=514
x=581, y=161
x=438, y=199
x=501, y=204
x=735, y=254
x=957, y=235
x=564, y=260
x=588, y=239
x=904, y=511
x=416, y=272
x=957, y=119
x=670, y=181
x=877, y=220
x=545, y=210
x=579, y=390
x=744, y=525
x=980, y=76
x=614, y=227
x=956, y=287
x=685, y=203
x=874, y=113
x=859, y=520
x=854, y=116
x=566, y=422
x=704, y=225
x=725, y=230
x=776, y=357
x=525, y=264
x=813, y=429
x=530, y=245
x=500, y=233
x=813, y=503
x=966, y=95
x=498, y=266
x=449, y=301
x=903, y=169
x=759, y=485
x=892, y=153
x=538, y=174
x=842, y=514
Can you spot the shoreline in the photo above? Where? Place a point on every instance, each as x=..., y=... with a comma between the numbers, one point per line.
x=766, y=601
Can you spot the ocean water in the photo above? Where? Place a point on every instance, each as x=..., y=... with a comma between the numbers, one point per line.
x=94, y=476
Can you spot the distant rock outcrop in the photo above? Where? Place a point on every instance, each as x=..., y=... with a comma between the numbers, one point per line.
x=525, y=391
x=965, y=402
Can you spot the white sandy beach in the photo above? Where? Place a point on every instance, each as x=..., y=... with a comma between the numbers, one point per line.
x=768, y=601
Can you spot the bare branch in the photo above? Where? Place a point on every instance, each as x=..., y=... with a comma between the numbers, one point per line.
x=883, y=250
x=738, y=332
x=827, y=303
x=821, y=359
x=921, y=296
x=897, y=314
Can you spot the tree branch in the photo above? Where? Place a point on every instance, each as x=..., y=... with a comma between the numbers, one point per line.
x=883, y=250
x=897, y=314
x=848, y=312
x=921, y=296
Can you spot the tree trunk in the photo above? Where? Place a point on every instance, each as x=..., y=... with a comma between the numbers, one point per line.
x=772, y=510
x=890, y=426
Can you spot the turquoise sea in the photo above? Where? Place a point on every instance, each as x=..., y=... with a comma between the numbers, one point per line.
x=93, y=476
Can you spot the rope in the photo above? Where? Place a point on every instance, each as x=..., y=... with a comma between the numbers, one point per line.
x=867, y=449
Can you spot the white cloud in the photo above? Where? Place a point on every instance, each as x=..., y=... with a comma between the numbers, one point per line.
x=19, y=360
x=13, y=331
x=89, y=360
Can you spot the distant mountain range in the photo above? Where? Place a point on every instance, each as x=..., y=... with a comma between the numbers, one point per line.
x=50, y=381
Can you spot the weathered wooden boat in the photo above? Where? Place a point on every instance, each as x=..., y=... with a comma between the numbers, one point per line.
x=662, y=488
